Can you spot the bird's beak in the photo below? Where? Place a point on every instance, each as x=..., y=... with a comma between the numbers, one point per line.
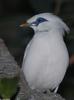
x=25, y=24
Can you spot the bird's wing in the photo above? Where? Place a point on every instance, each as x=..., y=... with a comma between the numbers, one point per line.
x=37, y=50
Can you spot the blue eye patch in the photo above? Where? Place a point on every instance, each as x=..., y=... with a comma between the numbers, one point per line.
x=38, y=21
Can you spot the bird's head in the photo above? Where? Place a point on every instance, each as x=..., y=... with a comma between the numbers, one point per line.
x=46, y=22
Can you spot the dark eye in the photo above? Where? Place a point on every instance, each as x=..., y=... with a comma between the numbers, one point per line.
x=40, y=20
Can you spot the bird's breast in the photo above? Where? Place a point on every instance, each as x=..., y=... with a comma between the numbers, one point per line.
x=46, y=62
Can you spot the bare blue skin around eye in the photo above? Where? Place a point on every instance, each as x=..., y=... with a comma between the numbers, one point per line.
x=38, y=21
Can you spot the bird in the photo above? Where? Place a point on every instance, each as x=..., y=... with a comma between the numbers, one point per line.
x=46, y=57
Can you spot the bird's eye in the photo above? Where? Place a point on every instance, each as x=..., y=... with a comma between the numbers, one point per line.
x=40, y=20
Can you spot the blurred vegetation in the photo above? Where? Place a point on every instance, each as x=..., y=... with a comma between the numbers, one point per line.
x=8, y=87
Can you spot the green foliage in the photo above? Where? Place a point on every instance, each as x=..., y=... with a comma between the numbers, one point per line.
x=8, y=87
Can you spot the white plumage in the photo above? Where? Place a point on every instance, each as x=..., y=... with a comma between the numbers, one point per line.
x=46, y=57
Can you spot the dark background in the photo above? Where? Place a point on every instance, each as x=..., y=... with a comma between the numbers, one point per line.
x=14, y=12
x=24, y=6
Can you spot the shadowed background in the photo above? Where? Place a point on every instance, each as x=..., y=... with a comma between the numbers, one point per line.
x=12, y=13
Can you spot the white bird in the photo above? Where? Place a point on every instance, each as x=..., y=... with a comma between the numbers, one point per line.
x=46, y=57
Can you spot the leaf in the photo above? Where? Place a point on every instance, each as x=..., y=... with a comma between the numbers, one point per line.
x=8, y=87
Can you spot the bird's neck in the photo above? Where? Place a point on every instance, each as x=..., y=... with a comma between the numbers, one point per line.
x=52, y=33
x=38, y=31
x=56, y=34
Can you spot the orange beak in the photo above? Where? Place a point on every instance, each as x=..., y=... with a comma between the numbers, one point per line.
x=24, y=24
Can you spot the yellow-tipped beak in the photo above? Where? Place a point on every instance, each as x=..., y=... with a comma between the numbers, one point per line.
x=24, y=24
